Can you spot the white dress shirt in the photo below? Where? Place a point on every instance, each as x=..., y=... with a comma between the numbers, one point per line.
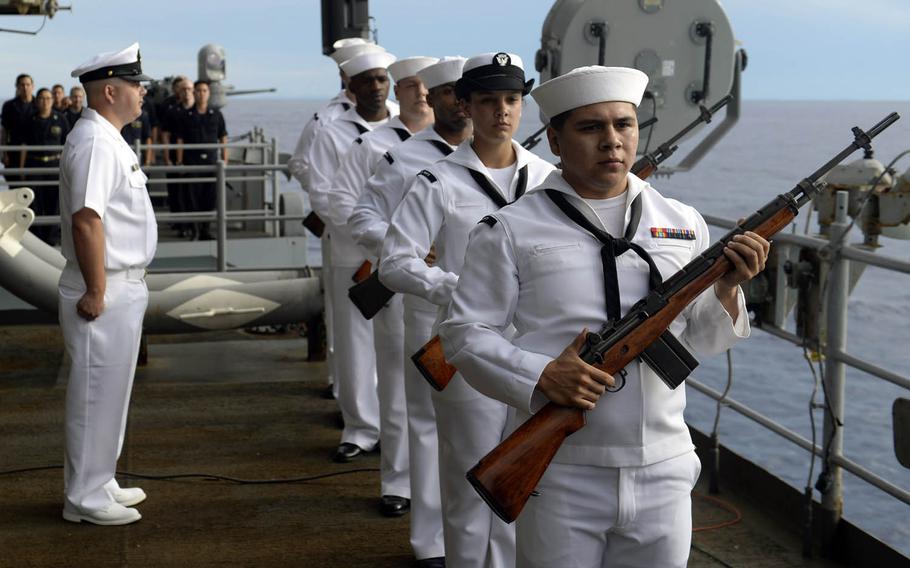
x=99, y=171
x=442, y=208
x=537, y=270
x=299, y=163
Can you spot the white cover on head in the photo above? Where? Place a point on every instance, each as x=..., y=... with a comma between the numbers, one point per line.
x=346, y=52
x=108, y=59
x=349, y=41
x=588, y=85
x=366, y=61
x=446, y=70
x=409, y=66
x=489, y=58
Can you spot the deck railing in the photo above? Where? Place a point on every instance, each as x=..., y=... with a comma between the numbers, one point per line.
x=836, y=257
x=219, y=173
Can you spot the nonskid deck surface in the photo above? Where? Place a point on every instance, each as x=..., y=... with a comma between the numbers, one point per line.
x=245, y=406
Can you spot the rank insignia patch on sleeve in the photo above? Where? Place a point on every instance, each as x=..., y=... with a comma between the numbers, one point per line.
x=489, y=220
x=428, y=175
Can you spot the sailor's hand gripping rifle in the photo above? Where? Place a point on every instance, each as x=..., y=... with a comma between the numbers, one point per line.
x=430, y=359
x=507, y=476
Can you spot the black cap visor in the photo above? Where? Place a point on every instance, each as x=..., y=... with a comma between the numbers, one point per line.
x=127, y=71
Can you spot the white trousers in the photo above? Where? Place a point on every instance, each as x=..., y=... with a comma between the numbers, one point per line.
x=388, y=334
x=355, y=365
x=103, y=356
x=327, y=299
x=590, y=516
x=469, y=425
x=426, y=509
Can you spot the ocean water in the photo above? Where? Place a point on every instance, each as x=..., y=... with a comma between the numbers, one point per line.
x=774, y=145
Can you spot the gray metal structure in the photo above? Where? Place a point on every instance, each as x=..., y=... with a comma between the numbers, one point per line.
x=687, y=49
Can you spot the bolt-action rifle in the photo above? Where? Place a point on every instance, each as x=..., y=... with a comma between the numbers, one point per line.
x=430, y=359
x=507, y=476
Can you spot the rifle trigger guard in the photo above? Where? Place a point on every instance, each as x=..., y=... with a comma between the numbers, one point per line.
x=620, y=381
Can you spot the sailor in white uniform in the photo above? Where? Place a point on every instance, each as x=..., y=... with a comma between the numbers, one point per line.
x=444, y=203
x=109, y=236
x=388, y=325
x=618, y=491
x=368, y=224
x=354, y=362
x=299, y=163
x=299, y=166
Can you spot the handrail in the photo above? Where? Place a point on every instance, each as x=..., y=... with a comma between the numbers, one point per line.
x=791, y=436
x=836, y=255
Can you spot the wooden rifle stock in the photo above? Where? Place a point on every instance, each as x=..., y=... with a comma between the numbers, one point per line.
x=432, y=364
x=506, y=477
x=363, y=272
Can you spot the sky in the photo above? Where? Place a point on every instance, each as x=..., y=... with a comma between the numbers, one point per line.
x=798, y=49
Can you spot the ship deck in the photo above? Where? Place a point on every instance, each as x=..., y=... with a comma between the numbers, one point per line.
x=245, y=406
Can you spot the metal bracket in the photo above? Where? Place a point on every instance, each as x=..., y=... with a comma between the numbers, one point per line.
x=596, y=33
x=702, y=33
x=16, y=198
x=13, y=225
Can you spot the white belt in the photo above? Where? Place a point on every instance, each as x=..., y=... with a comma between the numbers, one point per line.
x=126, y=274
x=73, y=276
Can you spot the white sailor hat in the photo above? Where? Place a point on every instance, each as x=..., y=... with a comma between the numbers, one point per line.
x=499, y=71
x=447, y=70
x=348, y=41
x=345, y=52
x=366, y=61
x=588, y=85
x=409, y=66
x=124, y=64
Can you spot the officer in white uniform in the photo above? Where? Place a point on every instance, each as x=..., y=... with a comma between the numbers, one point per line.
x=109, y=236
x=618, y=491
x=299, y=166
x=368, y=224
x=356, y=167
x=354, y=362
x=444, y=203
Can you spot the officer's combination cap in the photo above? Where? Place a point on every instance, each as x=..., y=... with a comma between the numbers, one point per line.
x=345, y=52
x=123, y=64
x=589, y=85
x=366, y=61
x=409, y=66
x=493, y=72
x=447, y=70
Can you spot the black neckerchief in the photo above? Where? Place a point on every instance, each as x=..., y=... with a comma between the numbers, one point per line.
x=612, y=247
x=441, y=146
x=402, y=133
x=487, y=187
x=361, y=129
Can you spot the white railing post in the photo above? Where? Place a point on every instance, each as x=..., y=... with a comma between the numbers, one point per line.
x=835, y=373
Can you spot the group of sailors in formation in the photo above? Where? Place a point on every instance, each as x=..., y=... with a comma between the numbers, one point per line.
x=508, y=259
x=46, y=117
x=437, y=195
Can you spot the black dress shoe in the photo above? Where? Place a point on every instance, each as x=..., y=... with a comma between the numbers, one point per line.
x=435, y=562
x=394, y=506
x=347, y=452
x=329, y=392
